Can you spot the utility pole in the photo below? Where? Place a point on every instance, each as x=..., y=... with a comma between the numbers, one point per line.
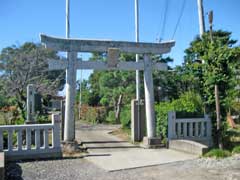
x=67, y=19
x=201, y=17
x=137, y=71
x=218, y=112
x=137, y=56
x=210, y=17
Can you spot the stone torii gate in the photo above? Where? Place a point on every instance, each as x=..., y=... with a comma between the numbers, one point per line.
x=113, y=48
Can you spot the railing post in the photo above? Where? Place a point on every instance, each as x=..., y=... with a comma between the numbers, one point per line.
x=171, y=125
x=196, y=129
x=185, y=129
x=56, y=121
x=10, y=139
x=19, y=139
x=179, y=128
x=28, y=139
x=202, y=128
x=46, y=142
x=37, y=138
x=209, y=126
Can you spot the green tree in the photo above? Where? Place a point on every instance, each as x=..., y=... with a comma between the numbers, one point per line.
x=213, y=63
x=25, y=65
x=112, y=89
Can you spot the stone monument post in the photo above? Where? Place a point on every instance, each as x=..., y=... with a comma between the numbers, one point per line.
x=31, y=104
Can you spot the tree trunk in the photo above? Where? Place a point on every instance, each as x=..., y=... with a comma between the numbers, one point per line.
x=118, y=109
x=22, y=110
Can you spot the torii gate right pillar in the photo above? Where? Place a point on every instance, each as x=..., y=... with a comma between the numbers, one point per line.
x=149, y=98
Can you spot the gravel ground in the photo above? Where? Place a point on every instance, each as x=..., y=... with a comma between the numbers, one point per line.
x=82, y=169
x=200, y=169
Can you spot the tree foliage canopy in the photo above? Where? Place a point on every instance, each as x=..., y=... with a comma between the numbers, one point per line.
x=25, y=65
x=213, y=62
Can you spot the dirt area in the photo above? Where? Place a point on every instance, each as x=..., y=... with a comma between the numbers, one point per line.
x=123, y=134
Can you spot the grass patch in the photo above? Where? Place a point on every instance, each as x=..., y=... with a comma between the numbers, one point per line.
x=236, y=150
x=2, y=118
x=231, y=138
x=217, y=153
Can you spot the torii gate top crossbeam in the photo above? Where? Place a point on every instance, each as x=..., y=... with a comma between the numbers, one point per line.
x=79, y=45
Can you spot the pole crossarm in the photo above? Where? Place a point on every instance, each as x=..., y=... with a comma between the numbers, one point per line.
x=79, y=45
x=100, y=65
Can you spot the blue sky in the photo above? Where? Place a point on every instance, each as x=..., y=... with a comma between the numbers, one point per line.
x=24, y=20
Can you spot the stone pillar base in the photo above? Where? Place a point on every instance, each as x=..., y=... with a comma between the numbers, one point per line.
x=71, y=147
x=137, y=123
x=155, y=142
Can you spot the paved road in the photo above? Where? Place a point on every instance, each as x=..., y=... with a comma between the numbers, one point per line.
x=111, y=153
x=97, y=138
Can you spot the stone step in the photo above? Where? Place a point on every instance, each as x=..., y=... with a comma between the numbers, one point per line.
x=188, y=146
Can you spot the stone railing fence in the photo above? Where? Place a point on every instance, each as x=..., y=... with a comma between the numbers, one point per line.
x=195, y=129
x=31, y=141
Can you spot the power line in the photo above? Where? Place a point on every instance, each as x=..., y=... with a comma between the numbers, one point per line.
x=164, y=19
x=160, y=36
x=179, y=18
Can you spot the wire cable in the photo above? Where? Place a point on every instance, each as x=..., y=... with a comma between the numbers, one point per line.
x=179, y=18
x=163, y=19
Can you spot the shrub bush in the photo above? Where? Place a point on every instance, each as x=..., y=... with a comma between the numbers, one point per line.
x=217, y=153
x=111, y=117
x=93, y=114
x=42, y=119
x=101, y=114
x=162, y=110
x=88, y=114
x=125, y=117
x=188, y=103
x=5, y=139
x=236, y=150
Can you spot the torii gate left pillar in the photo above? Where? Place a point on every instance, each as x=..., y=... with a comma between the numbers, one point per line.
x=69, y=131
x=72, y=46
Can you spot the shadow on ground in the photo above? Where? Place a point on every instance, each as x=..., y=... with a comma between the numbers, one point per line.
x=102, y=142
x=13, y=171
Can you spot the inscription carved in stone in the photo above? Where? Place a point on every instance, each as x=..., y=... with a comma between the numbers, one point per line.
x=112, y=57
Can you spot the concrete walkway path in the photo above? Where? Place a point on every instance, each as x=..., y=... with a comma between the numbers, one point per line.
x=112, y=154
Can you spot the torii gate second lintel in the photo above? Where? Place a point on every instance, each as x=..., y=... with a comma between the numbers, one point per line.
x=72, y=46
